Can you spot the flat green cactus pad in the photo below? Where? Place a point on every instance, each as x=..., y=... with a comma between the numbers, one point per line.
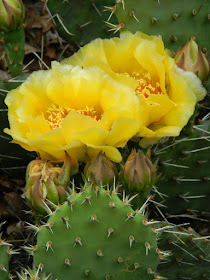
x=97, y=236
x=80, y=21
x=189, y=254
x=184, y=165
x=176, y=20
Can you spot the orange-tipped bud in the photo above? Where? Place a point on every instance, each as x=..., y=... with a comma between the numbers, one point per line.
x=191, y=58
x=47, y=180
x=138, y=172
x=101, y=170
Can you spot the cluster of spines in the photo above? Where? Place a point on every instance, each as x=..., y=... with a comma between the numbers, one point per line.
x=34, y=274
x=85, y=23
x=5, y=253
x=63, y=215
x=189, y=253
x=151, y=18
x=14, y=50
x=184, y=165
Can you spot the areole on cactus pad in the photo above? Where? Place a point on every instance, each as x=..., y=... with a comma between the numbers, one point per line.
x=175, y=21
x=96, y=235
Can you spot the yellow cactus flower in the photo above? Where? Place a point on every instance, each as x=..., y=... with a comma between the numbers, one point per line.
x=166, y=93
x=80, y=111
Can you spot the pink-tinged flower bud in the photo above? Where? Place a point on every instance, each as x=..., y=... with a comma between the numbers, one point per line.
x=101, y=170
x=191, y=58
x=138, y=172
x=12, y=14
x=47, y=180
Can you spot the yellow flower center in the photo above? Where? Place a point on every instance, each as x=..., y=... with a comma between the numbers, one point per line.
x=145, y=86
x=56, y=114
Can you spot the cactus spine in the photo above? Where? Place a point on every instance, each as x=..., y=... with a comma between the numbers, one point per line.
x=167, y=18
x=96, y=235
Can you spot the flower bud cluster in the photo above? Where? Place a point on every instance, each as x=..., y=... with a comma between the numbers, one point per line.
x=47, y=180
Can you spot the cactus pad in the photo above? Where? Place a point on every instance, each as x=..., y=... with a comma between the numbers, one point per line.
x=14, y=42
x=176, y=21
x=97, y=236
x=184, y=166
x=4, y=258
x=190, y=254
x=80, y=21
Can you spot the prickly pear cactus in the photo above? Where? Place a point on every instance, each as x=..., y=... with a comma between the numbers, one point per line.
x=80, y=21
x=12, y=14
x=33, y=274
x=14, y=42
x=96, y=236
x=4, y=263
x=176, y=21
x=184, y=164
x=188, y=254
x=4, y=259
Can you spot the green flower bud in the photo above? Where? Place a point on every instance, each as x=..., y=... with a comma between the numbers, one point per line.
x=12, y=14
x=138, y=172
x=47, y=180
x=191, y=58
x=101, y=170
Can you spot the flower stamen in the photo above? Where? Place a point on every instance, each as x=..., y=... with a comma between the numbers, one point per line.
x=55, y=115
x=145, y=86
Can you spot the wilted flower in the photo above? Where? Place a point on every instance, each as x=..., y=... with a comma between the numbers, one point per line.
x=12, y=14
x=47, y=180
x=191, y=58
x=138, y=172
x=101, y=170
x=167, y=95
x=80, y=111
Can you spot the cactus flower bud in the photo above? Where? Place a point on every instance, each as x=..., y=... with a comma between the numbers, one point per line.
x=138, y=172
x=47, y=180
x=12, y=14
x=191, y=58
x=101, y=170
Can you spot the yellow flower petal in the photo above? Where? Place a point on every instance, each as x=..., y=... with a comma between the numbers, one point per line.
x=75, y=110
x=154, y=108
x=92, y=136
x=111, y=152
x=158, y=134
x=167, y=95
x=122, y=130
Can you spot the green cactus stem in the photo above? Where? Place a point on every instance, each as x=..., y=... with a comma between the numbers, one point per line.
x=176, y=21
x=80, y=21
x=188, y=253
x=184, y=164
x=96, y=236
x=14, y=42
x=12, y=14
x=5, y=254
